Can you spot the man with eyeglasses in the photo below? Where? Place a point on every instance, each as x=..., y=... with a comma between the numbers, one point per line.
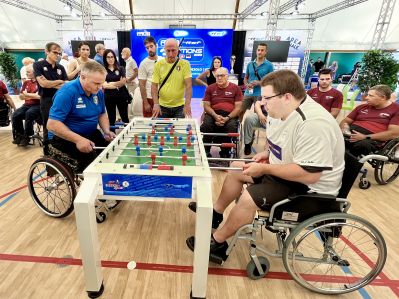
x=305, y=155
x=256, y=70
x=50, y=76
x=222, y=103
x=172, y=97
x=327, y=96
x=146, y=70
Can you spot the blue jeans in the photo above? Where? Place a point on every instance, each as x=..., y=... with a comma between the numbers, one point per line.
x=174, y=112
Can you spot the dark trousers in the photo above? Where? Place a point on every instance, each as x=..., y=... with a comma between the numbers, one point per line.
x=174, y=112
x=69, y=148
x=29, y=113
x=208, y=126
x=362, y=147
x=45, y=106
x=111, y=103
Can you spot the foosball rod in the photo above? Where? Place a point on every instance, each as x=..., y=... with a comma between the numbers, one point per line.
x=226, y=168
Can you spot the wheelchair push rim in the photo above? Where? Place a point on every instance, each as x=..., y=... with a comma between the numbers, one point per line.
x=387, y=171
x=334, y=253
x=52, y=187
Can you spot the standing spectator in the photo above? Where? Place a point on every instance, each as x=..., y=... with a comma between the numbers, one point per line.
x=327, y=96
x=75, y=65
x=131, y=70
x=256, y=70
x=209, y=74
x=318, y=65
x=145, y=73
x=64, y=60
x=29, y=111
x=5, y=101
x=116, y=93
x=99, y=48
x=168, y=95
x=25, y=61
x=222, y=103
x=309, y=71
x=50, y=76
x=334, y=69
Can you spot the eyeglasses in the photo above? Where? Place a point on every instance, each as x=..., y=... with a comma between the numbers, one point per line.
x=268, y=98
x=221, y=76
x=110, y=56
x=56, y=53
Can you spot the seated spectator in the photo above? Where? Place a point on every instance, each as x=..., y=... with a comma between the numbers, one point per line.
x=370, y=125
x=5, y=101
x=222, y=103
x=25, y=62
x=306, y=154
x=326, y=95
x=256, y=120
x=29, y=111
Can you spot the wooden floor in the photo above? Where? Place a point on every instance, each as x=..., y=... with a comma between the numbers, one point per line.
x=38, y=253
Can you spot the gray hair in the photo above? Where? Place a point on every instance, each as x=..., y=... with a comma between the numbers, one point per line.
x=98, y=47
x=92, y=67
x=225, y=70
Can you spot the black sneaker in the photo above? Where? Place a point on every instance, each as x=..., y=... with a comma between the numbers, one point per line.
x=24, y=141
x=18, y=139
x=217, y=218
x=247, y=149
x=224, y=154
x=217, y=251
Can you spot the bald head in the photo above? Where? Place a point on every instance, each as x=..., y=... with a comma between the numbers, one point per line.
x=125, y=53
x=171, y=50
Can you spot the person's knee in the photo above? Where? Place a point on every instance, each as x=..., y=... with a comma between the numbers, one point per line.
x=246, y=202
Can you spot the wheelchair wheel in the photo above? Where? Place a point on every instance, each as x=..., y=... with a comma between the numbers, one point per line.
x=387, y=171
x=334, y=253
x=252, y=270
x=52, y=187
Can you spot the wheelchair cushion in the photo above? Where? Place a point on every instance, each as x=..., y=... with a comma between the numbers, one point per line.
x=302, y=207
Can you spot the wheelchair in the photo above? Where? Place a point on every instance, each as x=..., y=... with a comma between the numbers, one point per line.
x=323, y=248
x=53, y=181
x=386, y=170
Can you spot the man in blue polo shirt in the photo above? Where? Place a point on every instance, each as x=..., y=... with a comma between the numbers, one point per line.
x=254, y=74
x=77, y=109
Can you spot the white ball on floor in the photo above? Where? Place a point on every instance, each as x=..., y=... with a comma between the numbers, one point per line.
x=131, y=265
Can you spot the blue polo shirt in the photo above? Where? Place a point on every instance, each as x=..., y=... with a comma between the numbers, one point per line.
x=76, y=110
x=263, y=69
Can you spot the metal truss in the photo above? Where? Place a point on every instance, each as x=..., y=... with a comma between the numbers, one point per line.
x=251, y=8
x=384, y=19
x=74, y=4
x=109, y=8
x=272, y=19
x=309, y=38
x=31, y=8
x=87, y=20
x=288, y=5
x=334, y=8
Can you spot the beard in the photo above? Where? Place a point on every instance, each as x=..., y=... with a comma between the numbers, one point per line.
x=151, y=54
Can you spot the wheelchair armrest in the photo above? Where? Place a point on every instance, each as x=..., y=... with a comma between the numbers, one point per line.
x=373, y=157
x=317, y=196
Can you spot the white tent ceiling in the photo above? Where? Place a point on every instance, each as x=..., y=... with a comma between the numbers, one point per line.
x=348, y=29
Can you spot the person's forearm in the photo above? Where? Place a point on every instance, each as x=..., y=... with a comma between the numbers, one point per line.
x=10, y=101
x=235, y=112
x=292, y=172
x=50, y=83
x=32, y=96
x=120, y=83
x=258, y=109
x=104, y=123
x=384, y=136
x=188, y=94
x=208, y=109
x=154, y=93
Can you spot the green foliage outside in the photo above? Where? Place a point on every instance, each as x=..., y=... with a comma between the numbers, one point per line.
x=8, y=68
x=378, y=67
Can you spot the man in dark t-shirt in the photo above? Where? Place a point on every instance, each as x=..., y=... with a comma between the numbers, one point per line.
x=327, y=96
x=318, y=65
x=222, y=103
x=370, y=125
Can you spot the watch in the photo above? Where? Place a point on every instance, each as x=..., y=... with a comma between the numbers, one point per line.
x=368, y=137
x=228, y=116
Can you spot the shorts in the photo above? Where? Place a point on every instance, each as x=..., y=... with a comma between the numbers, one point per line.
x=268, y=189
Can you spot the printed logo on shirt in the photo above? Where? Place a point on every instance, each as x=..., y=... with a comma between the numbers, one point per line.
x=228, y=93
x=385, y=115
x=329, y=97
x=80, y=100
x=95, y=100
x=117, y=72
x=275, y=150
x=178, y=68
x=59, y=72
x=45, y=68
x=364, y=111
x=215, y=93
x=80, y=106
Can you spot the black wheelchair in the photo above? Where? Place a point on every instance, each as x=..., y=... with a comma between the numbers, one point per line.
x=323, y=248
x=53, y=181
x=385, y=170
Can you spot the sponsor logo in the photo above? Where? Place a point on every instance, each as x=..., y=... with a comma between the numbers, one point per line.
x=117, y=72
x=385, y=115
x=59, y=72
x=45, y=69
x=143, y=33
x=228, y=93
x=180, y=33
x=95, y=100
x=116, y=185
x=80, y=106
x=217, y=33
